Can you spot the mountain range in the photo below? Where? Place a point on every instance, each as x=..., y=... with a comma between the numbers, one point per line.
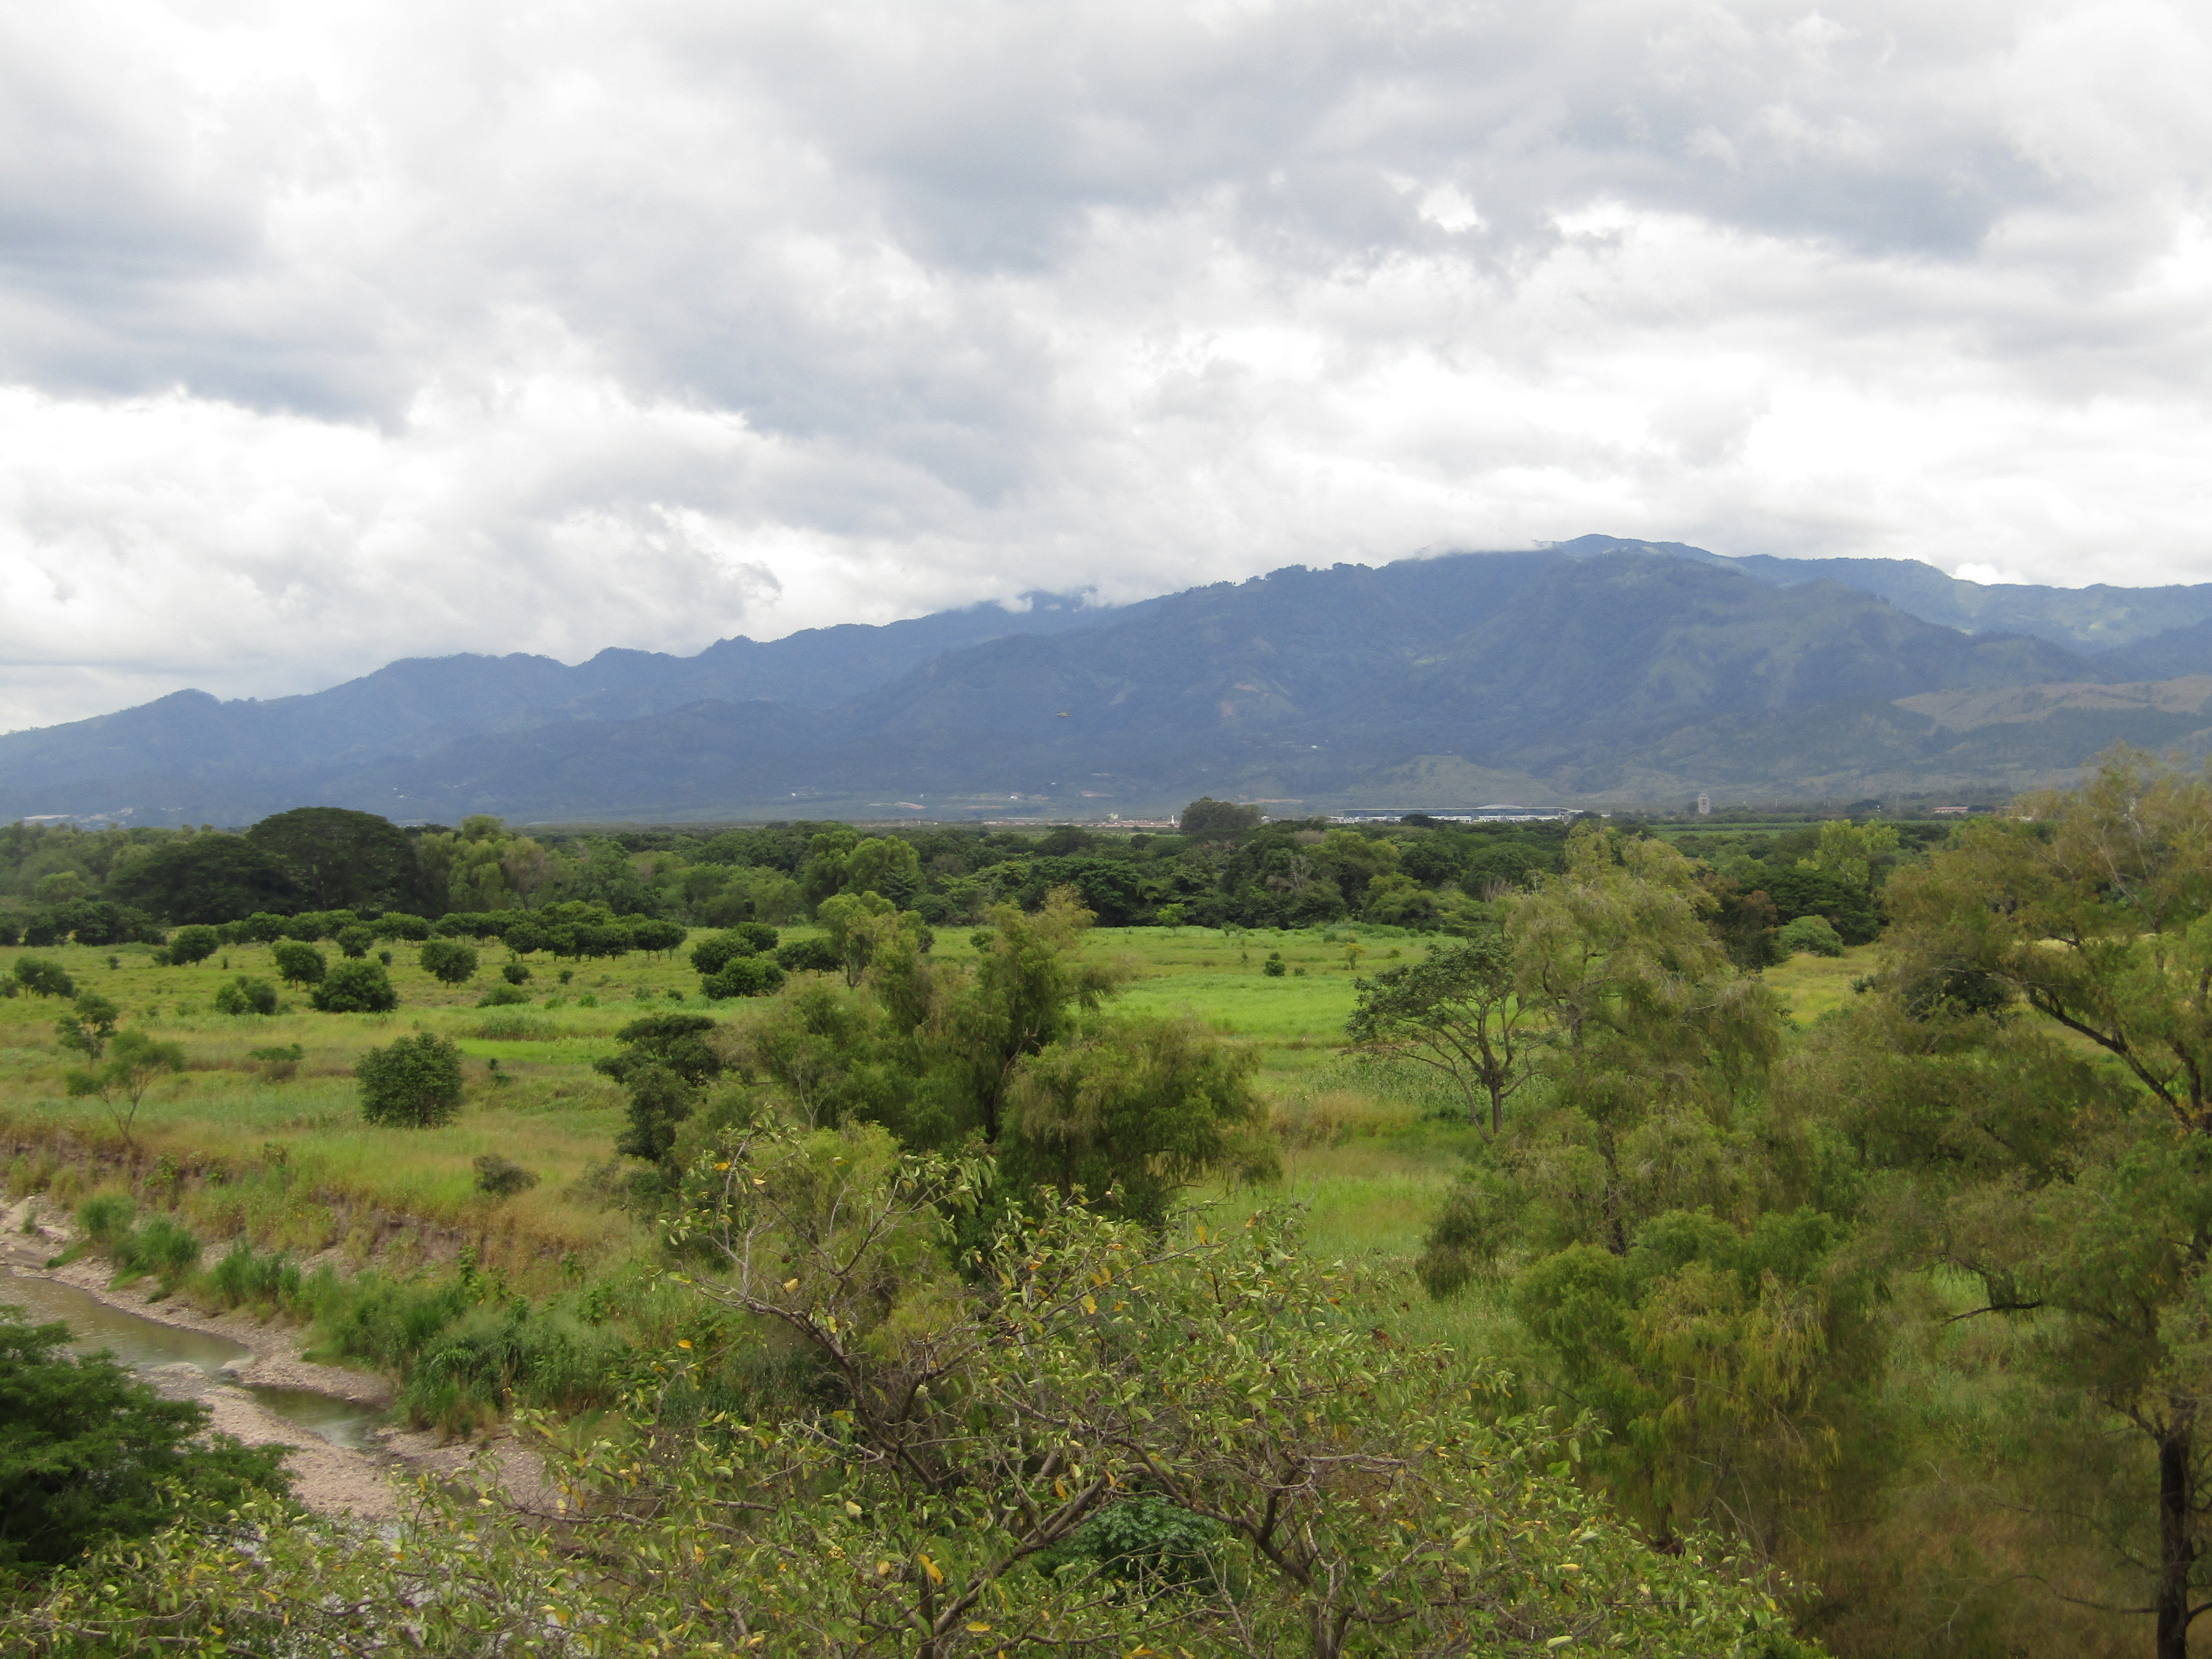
x=1601, y=670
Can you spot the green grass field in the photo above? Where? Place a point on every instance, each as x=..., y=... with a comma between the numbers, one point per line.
x=293, y=1162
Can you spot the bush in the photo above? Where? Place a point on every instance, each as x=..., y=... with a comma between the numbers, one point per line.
x=262, y=927
x=189, y=945
x=43, y=978
x=502, y=996
x=105, y=1218
x=648, y=933
x=354, y=940
x=398, y=924
x=712, y=953
x=247, y=996
x=88, y=1454
x=355, y=987
x=1273, y=967
x=242, y=1279
x=163, y=1247
x=415, y=1082
x=745, y=976
x=1812, y=934
x=515, y=973
x=501, y=1178
x=810, y=956
x=516, y=1028
x=449, y=960
x=298, y=963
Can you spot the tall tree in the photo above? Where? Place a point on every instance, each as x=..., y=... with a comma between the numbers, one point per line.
x=206, y=879
x=2087, y=1205
x=341, y=858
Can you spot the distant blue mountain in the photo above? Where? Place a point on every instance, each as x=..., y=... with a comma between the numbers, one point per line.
x=1598, y=669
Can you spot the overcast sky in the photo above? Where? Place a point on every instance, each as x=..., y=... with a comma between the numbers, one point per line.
x=337, y=332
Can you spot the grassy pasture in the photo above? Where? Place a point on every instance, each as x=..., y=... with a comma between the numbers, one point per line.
x=281, y=1153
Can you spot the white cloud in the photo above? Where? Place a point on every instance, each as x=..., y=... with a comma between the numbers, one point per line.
x=337, y=333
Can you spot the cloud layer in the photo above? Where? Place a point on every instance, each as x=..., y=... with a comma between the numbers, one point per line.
x=337, y=333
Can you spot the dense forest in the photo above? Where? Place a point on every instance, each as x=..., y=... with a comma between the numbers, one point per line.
x=973, y=1313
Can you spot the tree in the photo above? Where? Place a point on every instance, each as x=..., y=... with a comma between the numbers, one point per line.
x=355, y=987
x=188, y=945
x=88, y=1025
x=1129, y=1114
x=246, y=995
x=298, y=964
x=340, y=859
x=205, y=880
x=449, y=961
x=2078, y=1199
x=663, y=1063
x=414, y=1083
x=1208, y=819
x=745, y=976
x=134, y=1061
x=1458, y=1014
x=43, y=978
x=355, y=941
x=88, y=1454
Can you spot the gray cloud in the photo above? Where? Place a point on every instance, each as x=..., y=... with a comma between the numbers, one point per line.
x=330, y=335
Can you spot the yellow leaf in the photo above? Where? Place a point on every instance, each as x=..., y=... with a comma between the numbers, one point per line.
x=681, y=1343
x=1090, y=1306
x=852, y=1509
x=980, y=1630
x=790, y=1283
x=930, y=1567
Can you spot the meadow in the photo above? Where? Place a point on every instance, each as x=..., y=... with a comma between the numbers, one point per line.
x=276, y=1149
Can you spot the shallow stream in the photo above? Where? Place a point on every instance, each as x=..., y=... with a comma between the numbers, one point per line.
x=145, y=1344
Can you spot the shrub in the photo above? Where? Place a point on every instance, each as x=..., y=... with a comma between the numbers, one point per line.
x=415, y=1082
x=1273, y=967
x=244, y=995
x=398, y=924
x=745, y=976
x=711, y=953
x=298, y=963
x=262, y=927
x=163, y=1247
x=355, y=987
x=189, y=945
x=1812, y=934
x=500, y=1178
x=88, y=1454
x=105, y=1218
x=648, y=933
x=502, y=996
x=242, y=1279
x=449, y=960
x=278, y=1064
x=43, y=978
x=810, y=956
x=515, y=973
x=516, y=1028
x=354, y=940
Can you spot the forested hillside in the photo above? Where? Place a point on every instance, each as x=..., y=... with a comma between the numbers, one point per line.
x=1599, y=673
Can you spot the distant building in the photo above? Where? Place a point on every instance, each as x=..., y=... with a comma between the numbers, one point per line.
x=1704, y=804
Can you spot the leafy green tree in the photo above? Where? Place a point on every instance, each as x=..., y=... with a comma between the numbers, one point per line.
x=2079, y=1201
x=341, y=858
x=663, y=1063
x=745, y=976
x=86, y=1027
x=355, y=987
x=413, y=1083
x=205, y=879
x=856, y=924
x=246, y=995
x=1853, y=854
x=1130, y=1113
x=1208, y=819
x=1458, y=1014
x=750, y=939
x=188, y=945
x=1812, y=935
x=88, y=1455
x=355, y=941
x=43, y=978
x=135, y=1062
x=449, y=961
x=298, y=964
